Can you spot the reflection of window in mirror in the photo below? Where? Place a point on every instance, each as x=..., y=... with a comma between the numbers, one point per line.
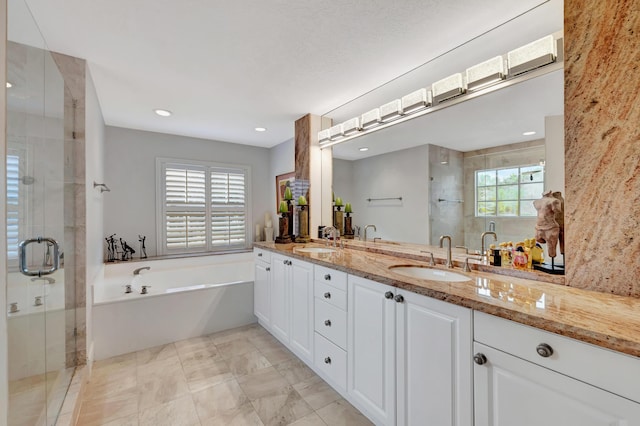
x=508, y=191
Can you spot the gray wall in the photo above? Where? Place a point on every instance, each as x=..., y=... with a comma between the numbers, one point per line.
x=403, y=173
x=94, y=159
x=130, y=172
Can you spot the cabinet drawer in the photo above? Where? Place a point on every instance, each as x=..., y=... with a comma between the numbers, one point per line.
x=262, y=255
x=591, y=364
x=331, y=322
x=332, y=277
x=331, y=295
x=331, y=360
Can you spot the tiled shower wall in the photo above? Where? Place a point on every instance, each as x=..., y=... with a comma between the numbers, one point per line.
x=602, y=145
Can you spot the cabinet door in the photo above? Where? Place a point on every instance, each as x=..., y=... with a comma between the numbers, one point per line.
x=434, y=364
x=301, y=288
x=280, y=297
x=261, y=293
x=511, y=391
x=371, y=349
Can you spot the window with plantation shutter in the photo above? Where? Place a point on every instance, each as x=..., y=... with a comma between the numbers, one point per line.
x=204, y=206
x=14, y=205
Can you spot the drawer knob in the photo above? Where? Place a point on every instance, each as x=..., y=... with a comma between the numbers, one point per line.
x=327, y=277
x=285, y=262
x=480, y=359
x=327, y=360
x=399, y=298
x=388, y=295
x=544, y=350
x=327, y=295
x=259, y=254
x=327, y=323
x=268, y=269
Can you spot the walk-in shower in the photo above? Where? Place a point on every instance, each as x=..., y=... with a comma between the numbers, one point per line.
x=41, y=226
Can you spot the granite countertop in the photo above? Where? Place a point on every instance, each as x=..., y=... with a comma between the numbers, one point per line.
x=602, y=319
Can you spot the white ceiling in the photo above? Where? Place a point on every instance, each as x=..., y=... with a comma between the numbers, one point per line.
x=225, y=67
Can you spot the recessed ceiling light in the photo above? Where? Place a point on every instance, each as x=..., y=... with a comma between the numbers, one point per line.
x=9, y=85
x=260, y=129
x=162, y=112
x=528, y=133
x=364, y=148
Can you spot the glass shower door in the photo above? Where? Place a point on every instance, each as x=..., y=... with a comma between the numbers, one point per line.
x=41, y=310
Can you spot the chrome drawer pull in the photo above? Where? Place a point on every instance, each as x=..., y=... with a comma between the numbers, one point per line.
x=327, y=323
x=327, y=295
x=327, y=277
x=327, y=360
x=544, y=350
x=480, y=359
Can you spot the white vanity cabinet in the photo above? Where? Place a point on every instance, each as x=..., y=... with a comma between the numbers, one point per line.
x=292, y=304
x=408, y=356
x=262, y=287
x=330, y=288
x=524, y=376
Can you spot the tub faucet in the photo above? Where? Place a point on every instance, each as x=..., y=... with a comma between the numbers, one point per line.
x=483, y=253
x=137, y=271
x=365, y=231
x=449, y=263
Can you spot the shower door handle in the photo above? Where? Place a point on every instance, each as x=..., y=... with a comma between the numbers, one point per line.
x=22, y=254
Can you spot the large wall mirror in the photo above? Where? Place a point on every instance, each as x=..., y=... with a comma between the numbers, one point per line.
x=468, y=166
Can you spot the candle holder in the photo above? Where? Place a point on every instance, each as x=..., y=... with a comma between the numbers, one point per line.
x=348, y=226
x=303, y=225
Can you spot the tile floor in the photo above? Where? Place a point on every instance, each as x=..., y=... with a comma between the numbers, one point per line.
x=238, y=377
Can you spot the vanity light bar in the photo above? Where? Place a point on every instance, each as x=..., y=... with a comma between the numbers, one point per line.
x=486, y=73
x=533, y=55
x=370, y=119
x=391, y=111
x=336, y=132
x=415, y=101
x=324, y=136
x=519, y=61
x=448, y=88
x=351, y=126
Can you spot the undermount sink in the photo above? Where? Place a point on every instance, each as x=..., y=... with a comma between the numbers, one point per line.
x=315, y=250
x=426, y=273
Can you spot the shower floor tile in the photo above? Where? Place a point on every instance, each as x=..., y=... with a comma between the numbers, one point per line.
x=238, y=377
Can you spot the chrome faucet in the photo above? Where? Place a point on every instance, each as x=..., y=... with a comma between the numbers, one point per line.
x=495, y=238
x=137, y=271
x=449, y=263
x=365, y=230
x=333, y=233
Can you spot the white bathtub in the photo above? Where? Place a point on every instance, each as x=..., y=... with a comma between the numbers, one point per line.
x=187, y=297
x=36, y=340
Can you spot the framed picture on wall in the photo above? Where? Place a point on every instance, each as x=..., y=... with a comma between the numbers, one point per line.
x=282, y=182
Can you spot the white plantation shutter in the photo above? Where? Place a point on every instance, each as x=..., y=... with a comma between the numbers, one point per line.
x=14, y=205
x=204, y=207
x=228, y=208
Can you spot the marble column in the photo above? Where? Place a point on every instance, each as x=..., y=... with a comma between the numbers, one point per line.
x=602, y=145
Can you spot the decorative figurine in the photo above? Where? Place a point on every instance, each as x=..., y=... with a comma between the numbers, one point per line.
x=111, y=248
x=127, y=250
x=548, y=229
x=143, y=249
